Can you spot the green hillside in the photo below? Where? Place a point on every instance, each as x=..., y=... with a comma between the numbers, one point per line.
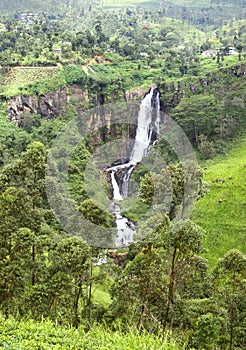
x=51, y=6
x=201, y=12
x=65, y=69
x=222, y=212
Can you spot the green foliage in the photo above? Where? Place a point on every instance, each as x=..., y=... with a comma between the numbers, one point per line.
x=17, y=267
x=13, y=141
x=45, y=335
x=198, y=116
x=68, y=271
x=206, y=332
x=30, y=121
x=43, y=80
x=221, y=212
x=163, y=272
x=74, y=74
x=96, y=215
x=165, y=284
x=22, y=76
x=229, y=278
x=76, y=173
x=209, y=109
x=47, y=131
x=164, y=193
x=39, y=276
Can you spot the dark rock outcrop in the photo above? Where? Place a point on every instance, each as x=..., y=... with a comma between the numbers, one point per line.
x=56, y=103
x=49, y=105
x=173, y=93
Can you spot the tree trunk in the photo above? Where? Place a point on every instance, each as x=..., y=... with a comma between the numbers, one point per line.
x=33, y=262
x=231, y=325
x=76, y=303
x=90, y=292
x=170, y=291
x=231, y=314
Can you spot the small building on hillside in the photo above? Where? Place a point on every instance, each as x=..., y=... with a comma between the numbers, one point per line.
x=2, y=27
x=57, y=51
x=28, y=18
x=209, y=53
x=144, y=54
x=110, y=50
x=232, y=51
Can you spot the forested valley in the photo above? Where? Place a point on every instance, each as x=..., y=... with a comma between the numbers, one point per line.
x=74, y=76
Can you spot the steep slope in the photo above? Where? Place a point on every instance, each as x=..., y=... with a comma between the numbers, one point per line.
x=222, y=212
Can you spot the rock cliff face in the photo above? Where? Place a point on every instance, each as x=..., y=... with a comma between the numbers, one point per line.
x=49, y=105
x=172, y=94
x=134, y=94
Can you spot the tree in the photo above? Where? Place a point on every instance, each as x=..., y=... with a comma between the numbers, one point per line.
x=22, y=209
x=16, y=270
x=229, y=278
x=68, y=280
x=164, y=275
x=17, y=218
x=97, y=215
x=29, y=121
x=140, y=290
x=206, y=332
x=182, y=245
x=166, y=190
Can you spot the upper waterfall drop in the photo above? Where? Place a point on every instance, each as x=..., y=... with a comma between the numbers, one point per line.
x=146, y=134
x=147, y=129
x=144, y=129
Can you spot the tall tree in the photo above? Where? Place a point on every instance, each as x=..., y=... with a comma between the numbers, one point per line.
x=229, y=277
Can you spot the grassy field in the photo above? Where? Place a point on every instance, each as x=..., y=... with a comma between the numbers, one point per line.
x=222, y=212
x=21, y=77
x=29, y=335
x=25, y=75
x=209, y=64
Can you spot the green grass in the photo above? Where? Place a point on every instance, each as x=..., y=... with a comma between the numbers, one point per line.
x=19, y=77
x=209, y=64
x=45, y=335
x=25, y=75
x=101, y=288
x=222, y=212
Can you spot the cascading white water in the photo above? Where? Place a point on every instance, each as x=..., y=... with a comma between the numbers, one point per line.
x=116, y=189
x=146, y=136
x=144, y=129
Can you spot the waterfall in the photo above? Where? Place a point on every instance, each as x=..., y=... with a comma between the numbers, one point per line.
x=148, y=120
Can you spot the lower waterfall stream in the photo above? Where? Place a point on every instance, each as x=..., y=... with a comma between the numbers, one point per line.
x=147, y=129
